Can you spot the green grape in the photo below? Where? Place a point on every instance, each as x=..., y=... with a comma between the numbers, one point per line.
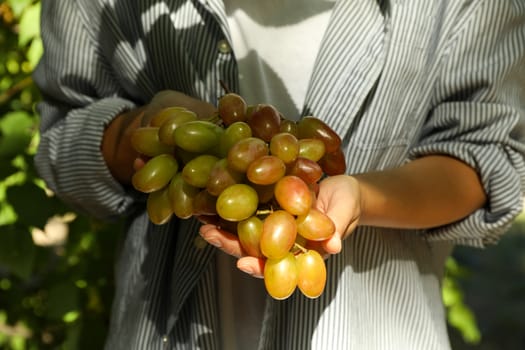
x=313, y=149
x=167, y=128
x=333, y=163
x=266, y=170
x=233, y=133
x=311, y=271
x=197, y=171
x=222, y=176
x=158, y=206
x=289, y=126
x=308, y=170
x=293, y=195
x=182, y=196
x=145, y=140
x=311, y=127
x=265, y=122
x=281, y=276
x=231, y=108
x=249, y=232
x=237, y=202
x=164, y=114
x=285, y=146
x=278, y=234
x=246, y=151
x=315, y=225
x=155, y=174
x=198, y=136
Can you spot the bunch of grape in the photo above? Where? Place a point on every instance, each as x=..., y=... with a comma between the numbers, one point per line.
x=252, y=172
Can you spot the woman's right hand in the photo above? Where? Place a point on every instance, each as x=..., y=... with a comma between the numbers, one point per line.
x=119, y=154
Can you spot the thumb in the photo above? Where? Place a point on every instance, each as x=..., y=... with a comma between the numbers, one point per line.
x=333, y=245
x=339, y=199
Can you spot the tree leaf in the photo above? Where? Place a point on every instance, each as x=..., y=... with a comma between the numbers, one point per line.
x=31, y=204
x=462, y=318
x=17, y=251
x=15, y=133
x=18, y=6
x=62, y=299
x=34, y=52
x=6, y=169
x=72, y=338
x=29, y=25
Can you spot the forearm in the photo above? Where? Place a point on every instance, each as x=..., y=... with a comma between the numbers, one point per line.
x=427, y=192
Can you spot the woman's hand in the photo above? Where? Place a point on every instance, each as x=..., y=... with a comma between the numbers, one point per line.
x=170, y=98
x=427, y=192
x=339, y=197
x=119, y=154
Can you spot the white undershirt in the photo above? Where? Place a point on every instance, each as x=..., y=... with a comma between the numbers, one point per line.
x=275, y=43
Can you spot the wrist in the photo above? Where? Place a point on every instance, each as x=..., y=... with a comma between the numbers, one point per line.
x=116, y=148
x=371, y=201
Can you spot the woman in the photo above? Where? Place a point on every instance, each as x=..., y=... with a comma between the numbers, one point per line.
x=427, y=97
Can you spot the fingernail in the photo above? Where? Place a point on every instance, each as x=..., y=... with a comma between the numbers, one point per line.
x=213, y=241
x=246, y=269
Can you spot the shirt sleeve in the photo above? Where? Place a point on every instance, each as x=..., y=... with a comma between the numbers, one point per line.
x=479, y=116
x=80, y=97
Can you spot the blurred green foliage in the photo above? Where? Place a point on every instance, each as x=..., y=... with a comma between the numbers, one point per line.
x=492, y=282
x=56, y=267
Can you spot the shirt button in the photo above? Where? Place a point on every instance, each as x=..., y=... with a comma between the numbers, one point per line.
x=223, y=46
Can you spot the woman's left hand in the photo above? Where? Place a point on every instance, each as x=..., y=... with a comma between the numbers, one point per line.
x=339, y=197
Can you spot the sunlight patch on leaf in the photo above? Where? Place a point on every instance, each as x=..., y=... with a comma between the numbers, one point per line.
x=29, y=26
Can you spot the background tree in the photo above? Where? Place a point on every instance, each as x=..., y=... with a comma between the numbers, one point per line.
x=56, y=266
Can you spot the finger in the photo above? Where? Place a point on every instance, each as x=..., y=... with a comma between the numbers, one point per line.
x=339, y=200
x=333, y=245
x=170, y=98
x=225, y=241
x=139, y=162
x=252, y=266
x=342, y=220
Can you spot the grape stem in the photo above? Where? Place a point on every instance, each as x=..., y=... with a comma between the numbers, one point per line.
x=224, y=86
x=300, y=247
x=264, y=212
x=214, y=119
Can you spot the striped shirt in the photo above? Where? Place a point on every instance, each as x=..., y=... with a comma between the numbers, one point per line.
x=396, y=79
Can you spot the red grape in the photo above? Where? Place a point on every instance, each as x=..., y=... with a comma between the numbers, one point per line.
x=232, y=108
x=266, y=170
x=311, y=127
x=293, y=195
x=278, y=235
